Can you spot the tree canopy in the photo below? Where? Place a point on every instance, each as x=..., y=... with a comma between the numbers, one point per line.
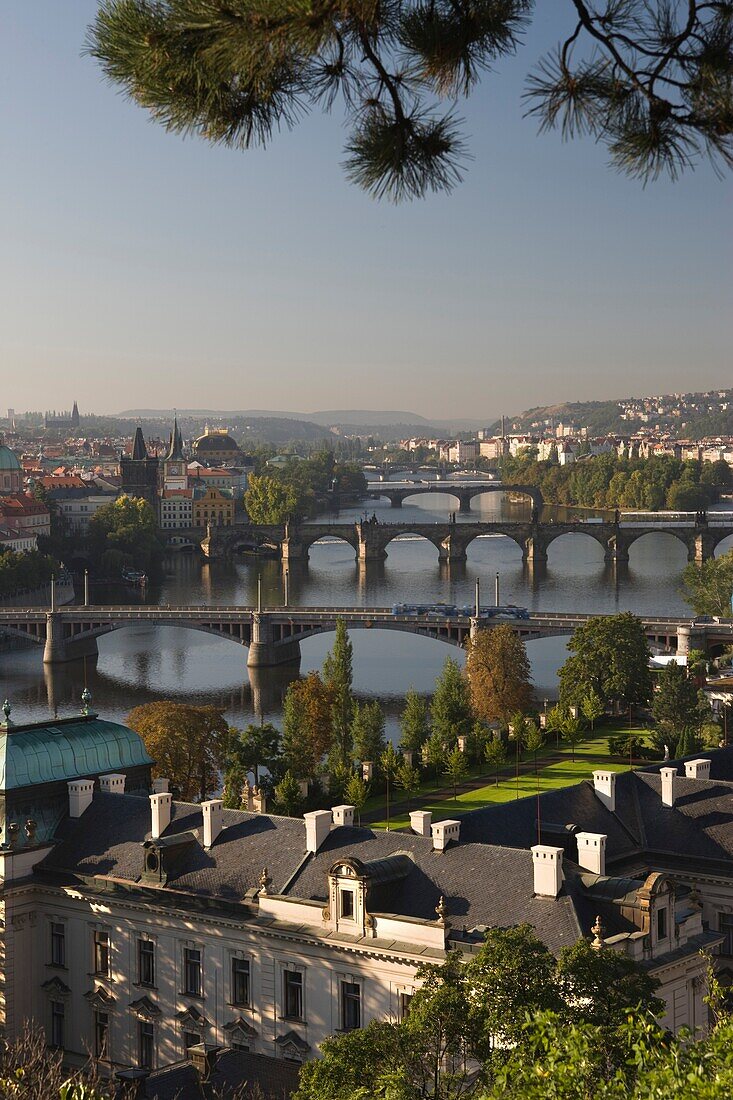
x=499, y=673
x=610, y=656
x=649, y=80
x=708, y=586
x=189, y=744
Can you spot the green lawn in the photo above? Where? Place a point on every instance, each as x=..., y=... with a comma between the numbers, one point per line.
x=589, y=755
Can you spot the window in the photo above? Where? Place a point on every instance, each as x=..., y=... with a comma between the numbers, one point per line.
x=101, y=954
x=293, y=995
x=146, y=962
x=58, y=1010
x=146, y=1044
x=726, y=927
x=101, y=1033
x=347, y=904
x=190, y=1039
x=58, y=944
x=192, y=971
x=240, y=981
x=350, y=1006
x=405, y=999
x=661, y=924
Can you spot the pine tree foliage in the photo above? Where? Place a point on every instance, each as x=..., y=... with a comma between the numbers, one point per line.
x=652, y=81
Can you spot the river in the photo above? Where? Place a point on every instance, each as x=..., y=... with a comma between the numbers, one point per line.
x=142, y=663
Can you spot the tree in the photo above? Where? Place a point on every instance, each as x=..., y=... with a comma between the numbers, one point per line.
x=255, y=747
x=434, y=753
x=675, y=705
x=289, y=799
x=455, y=769
x=555, y=720
x=268, y=500
x=356, y=792
x=125, y=531
x=367, y=730
x=649, y=81
x=414, y=724
x=407, y=778
x=189, y=744
x=495, y=753
x=306, y=725
x=389, y=762
x=708, y=586
x=610, y=656
x=31, y=1070
x=592, y=707
x=573, y=733
x=338, y=676
x=450, y=710
x=468, y=1019
x=498, y=673
x=534, y=741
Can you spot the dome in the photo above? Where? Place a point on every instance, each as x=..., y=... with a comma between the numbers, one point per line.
x=216, y=442
x=8, y=460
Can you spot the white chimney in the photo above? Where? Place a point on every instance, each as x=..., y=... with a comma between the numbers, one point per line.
x=112, y=784
x=443, y=833
x=317, y=828
x=547, y=865
x=81, y=793
x=668, y=782
x=697, y=769
x=160, y=786
x=160, y=806
x=592, y=852
x=604, y=784
x=212, y=811
x=420, y=822
x=343, y=815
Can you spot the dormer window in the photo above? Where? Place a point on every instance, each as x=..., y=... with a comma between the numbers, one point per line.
x=347, y=904
x=661, y=924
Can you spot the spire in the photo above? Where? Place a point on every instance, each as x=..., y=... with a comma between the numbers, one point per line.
x=139, y=450
x=175, y=447
x=75, y=415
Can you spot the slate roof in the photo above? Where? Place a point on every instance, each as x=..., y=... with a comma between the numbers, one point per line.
x=107, y=840
x=483, y=884
x=276, y=1078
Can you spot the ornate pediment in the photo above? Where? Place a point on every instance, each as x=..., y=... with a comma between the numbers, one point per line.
x=145, y=1009
x=55, y=987
x=100, y=998
x=239, y=1028
x=291, y=1043
x=191, y=1017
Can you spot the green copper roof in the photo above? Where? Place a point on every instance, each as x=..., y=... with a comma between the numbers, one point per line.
x=8, y=460
x=67, y=749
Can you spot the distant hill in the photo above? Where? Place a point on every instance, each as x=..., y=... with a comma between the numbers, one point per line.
x=387, y=424
x=700, y=415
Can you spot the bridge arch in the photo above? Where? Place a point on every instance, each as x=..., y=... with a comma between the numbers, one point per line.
x=724, y=545
x=396, y=532
x=308, y=538
x=586, y=531
x=686, y=542
x=513, y=536
x=534, y=494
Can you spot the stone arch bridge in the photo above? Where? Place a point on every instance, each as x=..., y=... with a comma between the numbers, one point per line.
x=370, y=539
x=463, y=491
x=273, y=636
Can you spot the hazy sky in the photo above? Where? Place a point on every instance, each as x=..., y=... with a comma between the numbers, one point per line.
x=138, y=269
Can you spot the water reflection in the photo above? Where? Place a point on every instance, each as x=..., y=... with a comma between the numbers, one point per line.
x=141, y=663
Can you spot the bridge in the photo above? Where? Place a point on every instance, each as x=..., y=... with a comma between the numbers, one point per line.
x=273, y=635
x=464, y=491
x=370, y=538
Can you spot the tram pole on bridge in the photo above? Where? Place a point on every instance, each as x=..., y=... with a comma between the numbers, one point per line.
x=478, y=598
x=86, y=588
x=497, y=601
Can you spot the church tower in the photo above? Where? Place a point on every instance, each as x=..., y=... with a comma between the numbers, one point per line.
x=139, y=471
x=175, y=471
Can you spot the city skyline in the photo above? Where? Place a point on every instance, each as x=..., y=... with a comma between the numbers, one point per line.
x=142, y=270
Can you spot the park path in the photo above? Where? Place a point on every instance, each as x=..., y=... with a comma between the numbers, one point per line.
x=475, y=783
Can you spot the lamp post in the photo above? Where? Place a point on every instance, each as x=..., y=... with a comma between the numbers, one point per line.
x=286, y=585
x=496, y=589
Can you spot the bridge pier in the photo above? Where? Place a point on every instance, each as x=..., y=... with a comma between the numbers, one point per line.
x=293, y=550
x=535, y=549
x=616, y=550
x=394, y=501
x=264, y=649
x=689, y=638
x=452, y=549
x=60, y=648
x=465, y=503
x=702, y=546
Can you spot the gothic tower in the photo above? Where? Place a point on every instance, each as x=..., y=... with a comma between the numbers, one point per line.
x=139, y=471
